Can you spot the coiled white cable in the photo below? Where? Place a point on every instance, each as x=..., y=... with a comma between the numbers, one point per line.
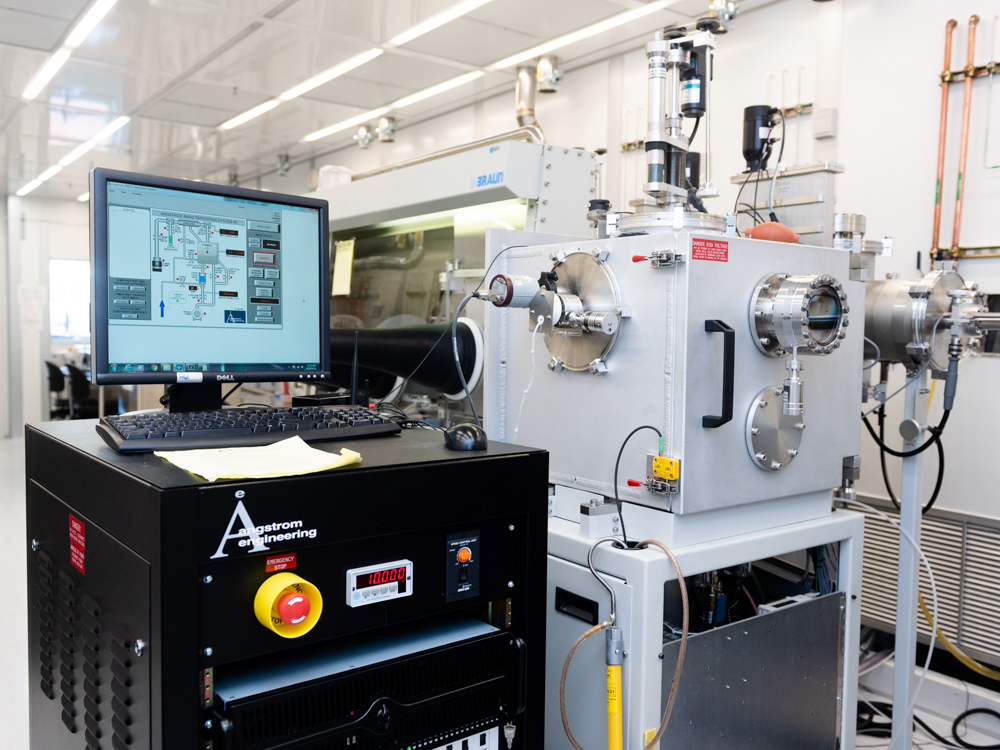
x=531, y=379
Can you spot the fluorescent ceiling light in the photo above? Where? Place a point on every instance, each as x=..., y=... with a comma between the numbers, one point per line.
x=76, y=37
x=53, y=170
x=344, y=125
x=308, y=85
x=576, y=36
x=435, y=90
x=405, y=101
x=84, y=198
x=47, y=72
x=455, y=11
x=329, y=75
x=250, y=114
x=89, y=22
x=83, y=148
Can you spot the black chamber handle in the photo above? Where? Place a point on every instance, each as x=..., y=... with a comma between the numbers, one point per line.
x=728, y=372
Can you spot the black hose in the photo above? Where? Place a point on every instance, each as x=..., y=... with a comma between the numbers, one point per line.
x=885, y=471
x=965, y=715
x=935, y=436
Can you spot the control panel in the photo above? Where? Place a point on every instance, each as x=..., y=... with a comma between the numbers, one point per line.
x=462, y=566
x=379, y=583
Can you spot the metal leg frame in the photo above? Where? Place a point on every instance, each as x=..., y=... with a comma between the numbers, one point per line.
x=910, y=499
x=646, y=571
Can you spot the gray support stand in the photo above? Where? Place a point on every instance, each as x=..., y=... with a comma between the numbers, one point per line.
x=911, y=500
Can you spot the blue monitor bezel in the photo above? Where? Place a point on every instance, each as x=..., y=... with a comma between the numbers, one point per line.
x=100, y=373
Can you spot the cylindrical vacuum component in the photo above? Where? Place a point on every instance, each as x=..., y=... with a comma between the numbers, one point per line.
x=805, y=312
x=595, y=322
x=845, y=226
x=514, y=291
x=900, y=317
x=387, y=354
x=757, y=123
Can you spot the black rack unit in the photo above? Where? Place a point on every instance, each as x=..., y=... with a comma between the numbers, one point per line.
x=139, y=602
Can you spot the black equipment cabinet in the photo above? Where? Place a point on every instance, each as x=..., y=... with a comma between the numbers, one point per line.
x=142, y=580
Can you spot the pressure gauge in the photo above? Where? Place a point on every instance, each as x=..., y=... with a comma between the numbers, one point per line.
x=513, y=291
x=808, y=312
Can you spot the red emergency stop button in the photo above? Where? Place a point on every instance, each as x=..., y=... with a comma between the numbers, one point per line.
x=464, y=555
x=293, y=608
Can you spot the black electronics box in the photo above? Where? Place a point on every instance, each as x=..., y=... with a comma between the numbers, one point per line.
x=158, y=601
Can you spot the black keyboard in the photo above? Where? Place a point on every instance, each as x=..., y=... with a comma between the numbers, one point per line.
x=227, y=428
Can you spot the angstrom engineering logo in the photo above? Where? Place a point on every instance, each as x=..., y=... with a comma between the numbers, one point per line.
x=256, y=538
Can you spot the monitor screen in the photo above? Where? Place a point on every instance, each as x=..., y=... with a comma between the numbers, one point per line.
x=206, y=283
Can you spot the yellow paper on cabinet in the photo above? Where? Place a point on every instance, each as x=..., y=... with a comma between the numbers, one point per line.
x=287, y=458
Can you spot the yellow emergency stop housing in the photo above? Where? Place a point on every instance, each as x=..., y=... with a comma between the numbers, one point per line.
x=265, y=604
x=666, y=468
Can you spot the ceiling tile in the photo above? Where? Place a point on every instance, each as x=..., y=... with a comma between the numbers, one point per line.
x=279, y=57
x=472, y=41
x=187, y=113
x=358, y=93
x=227, y=99
x=30, y=29
x=545, y=20
x=67, y=10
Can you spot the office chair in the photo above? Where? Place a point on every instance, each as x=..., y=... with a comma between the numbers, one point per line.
x=58, y=407
x=82, y=406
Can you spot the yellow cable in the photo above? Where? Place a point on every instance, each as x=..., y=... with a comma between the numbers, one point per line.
x=955, y=651
x=968, y=661
x=614, y=707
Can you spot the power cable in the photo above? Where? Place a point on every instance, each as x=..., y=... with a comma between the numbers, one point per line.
x=618, y=502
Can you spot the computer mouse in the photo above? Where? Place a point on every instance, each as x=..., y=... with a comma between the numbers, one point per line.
x=466, y=437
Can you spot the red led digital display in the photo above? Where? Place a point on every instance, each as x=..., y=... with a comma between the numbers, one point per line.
x=383, y=578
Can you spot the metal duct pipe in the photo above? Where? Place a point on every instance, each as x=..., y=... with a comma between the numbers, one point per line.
x=524, y=95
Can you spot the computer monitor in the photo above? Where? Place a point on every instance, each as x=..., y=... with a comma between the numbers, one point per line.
x=203, y=284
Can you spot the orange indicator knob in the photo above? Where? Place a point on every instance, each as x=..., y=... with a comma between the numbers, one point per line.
x=464, y=555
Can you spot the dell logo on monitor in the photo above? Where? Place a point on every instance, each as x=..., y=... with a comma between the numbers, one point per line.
x=225, y=377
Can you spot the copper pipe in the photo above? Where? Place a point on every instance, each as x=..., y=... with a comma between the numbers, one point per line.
x=943, y=130
x=963, y=148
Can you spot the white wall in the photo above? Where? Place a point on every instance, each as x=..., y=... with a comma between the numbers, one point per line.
x=39, y=229
x=877, y=62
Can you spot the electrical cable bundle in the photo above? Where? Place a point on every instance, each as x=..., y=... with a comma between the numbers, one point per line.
x=682, y=651
x=870, y=726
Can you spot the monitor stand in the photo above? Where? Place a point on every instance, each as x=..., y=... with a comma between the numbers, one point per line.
x=194, y=397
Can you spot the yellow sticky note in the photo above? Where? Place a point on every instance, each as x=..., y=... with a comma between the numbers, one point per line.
x=285, y=458
x=343, y=263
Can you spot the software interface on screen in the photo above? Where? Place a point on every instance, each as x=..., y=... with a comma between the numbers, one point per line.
x=207, y=283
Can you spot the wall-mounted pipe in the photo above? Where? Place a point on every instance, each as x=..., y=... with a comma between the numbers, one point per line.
x=529, y=133
x=524, y=95
x=970, y=66
x=948, y=29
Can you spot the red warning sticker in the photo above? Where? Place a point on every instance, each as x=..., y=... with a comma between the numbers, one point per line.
x=77, y=542
x=704, y=249
x=280, y=562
